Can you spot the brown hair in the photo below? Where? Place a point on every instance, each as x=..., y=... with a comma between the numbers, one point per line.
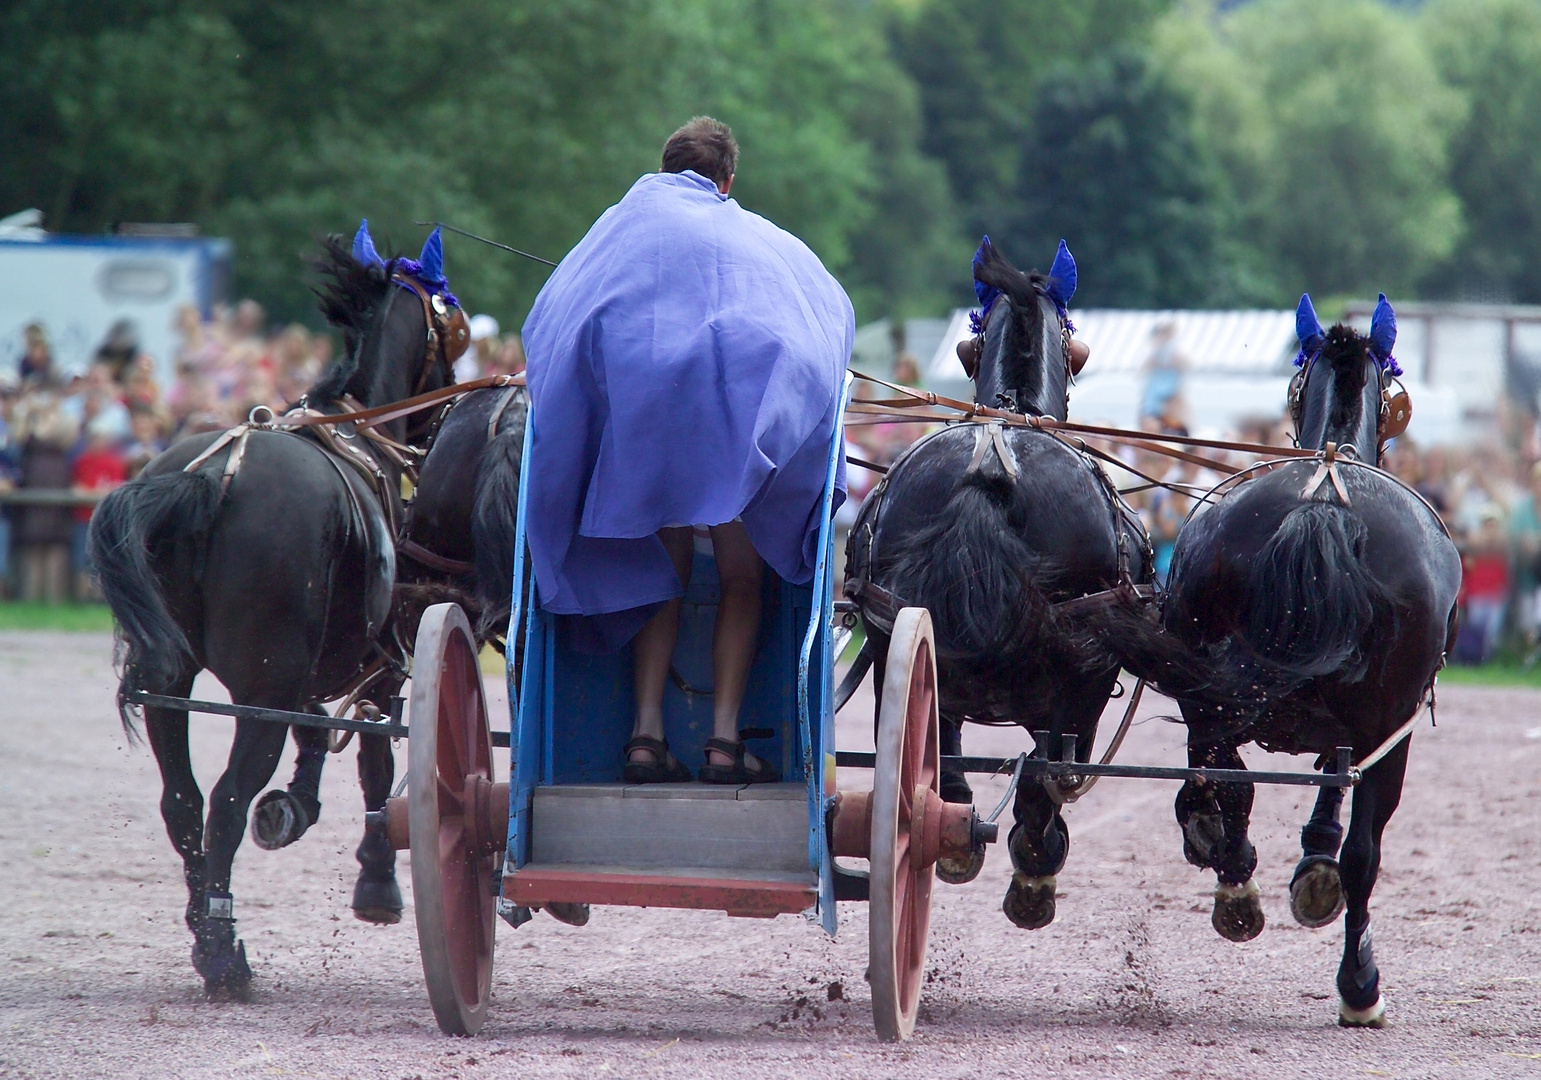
x=704, y=145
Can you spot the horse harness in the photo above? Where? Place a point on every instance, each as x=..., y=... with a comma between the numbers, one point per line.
x=880, y=606
x=1396, y=410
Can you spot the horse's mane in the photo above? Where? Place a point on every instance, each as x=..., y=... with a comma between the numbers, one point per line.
x=348, y=293
x=1345, y=351
x=994, y=269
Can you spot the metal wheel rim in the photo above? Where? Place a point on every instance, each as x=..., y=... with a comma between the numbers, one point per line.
x=452, y=895
x=908, y=756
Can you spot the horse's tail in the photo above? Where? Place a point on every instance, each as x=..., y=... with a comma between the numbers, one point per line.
x=983, y=584
x=133, y=524
x=494, y=523
x=1313, y=597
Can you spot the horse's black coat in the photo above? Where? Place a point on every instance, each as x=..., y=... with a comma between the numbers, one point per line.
x=281, y=586
x=989, y=555
x=1304, y=624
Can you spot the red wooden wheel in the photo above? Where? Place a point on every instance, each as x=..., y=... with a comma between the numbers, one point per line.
x=905, y=784
x=449, y=765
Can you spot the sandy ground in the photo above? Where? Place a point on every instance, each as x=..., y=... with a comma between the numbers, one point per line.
x=1131, y=981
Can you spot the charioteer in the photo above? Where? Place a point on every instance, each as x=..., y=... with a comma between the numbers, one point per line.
x=685, y=364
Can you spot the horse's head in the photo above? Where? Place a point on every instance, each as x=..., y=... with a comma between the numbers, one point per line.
x=1340, y=394
x=402, y=327
x=1022, y=334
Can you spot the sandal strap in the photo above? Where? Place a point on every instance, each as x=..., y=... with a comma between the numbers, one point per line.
x=659, y=748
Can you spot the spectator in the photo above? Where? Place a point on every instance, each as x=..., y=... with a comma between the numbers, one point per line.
x=98, y=469
x=148, y=439
x=37, y=363
x=10, y=472
x=1484, y=592
x=479, y=358
x=120, y=349
x=43, y=533
x=1163, y=370
x=510, y=357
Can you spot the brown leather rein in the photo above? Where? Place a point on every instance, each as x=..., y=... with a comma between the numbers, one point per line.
x=900, y=411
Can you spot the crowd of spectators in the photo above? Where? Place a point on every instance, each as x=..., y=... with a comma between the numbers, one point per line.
x=67, y=439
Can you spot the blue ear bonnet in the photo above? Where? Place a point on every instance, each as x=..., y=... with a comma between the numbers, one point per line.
x=1383, y=334
x=428, y=267
x=1061, y=284
x=1059, y=287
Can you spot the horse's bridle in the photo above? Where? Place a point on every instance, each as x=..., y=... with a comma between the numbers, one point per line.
x=449, y=334
x=1396, y=410
x=971, y=368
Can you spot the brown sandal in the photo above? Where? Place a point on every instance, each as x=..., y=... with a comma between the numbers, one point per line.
x=738, y=772
x=665, y=768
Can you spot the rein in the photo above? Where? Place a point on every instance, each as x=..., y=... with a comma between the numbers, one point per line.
x=891, y=411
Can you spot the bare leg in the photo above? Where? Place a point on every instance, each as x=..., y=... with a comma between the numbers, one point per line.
x=654, y=646
x=736, y=632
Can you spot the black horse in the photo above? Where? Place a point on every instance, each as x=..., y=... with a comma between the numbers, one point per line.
x=992, y=528
x=1315, y=605
x=275, y=572
x=458, y=538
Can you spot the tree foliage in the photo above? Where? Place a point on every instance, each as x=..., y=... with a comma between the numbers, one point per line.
x=1192, y=151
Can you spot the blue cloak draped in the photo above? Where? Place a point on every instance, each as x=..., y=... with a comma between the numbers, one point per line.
x=685, y=367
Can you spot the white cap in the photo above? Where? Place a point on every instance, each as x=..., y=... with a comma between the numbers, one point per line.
x=483, y=327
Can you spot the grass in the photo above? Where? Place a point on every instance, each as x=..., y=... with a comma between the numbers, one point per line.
x=72, y=618
x=1504, y=671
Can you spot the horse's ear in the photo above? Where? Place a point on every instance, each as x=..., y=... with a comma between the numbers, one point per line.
x=1061, y=284
x=1308, y=328
x=364, y=246
x=432, y=257
x=985, y=254
x=1383, y=328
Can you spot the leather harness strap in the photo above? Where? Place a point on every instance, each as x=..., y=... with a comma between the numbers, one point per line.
x=449, y=335
x=434, y=561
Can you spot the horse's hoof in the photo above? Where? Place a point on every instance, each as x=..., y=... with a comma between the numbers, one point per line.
x=377, y=902
x=1029, y=902
x=1316, y=894
x=960, y=871
x=1373, y=1017
x=278, y=820
x=571, y=914
x=226, y=975
x=1238, y=914
x=1201, y=832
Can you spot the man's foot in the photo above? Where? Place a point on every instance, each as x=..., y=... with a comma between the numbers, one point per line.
x=648, y=761
x=728, y=763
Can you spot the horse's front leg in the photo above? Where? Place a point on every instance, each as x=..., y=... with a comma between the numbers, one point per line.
x=1375, y=800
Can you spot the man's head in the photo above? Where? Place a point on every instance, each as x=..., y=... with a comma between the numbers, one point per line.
x=705, y=146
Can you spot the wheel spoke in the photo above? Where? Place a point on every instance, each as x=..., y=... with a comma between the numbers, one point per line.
x=450, y=804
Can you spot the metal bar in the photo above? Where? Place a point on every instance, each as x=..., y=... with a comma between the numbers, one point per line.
x=392, y=728
x=1037, y=767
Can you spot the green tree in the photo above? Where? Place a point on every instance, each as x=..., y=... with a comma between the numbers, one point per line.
x=1491, y=51
x=1111, y=165
x=1333, y=124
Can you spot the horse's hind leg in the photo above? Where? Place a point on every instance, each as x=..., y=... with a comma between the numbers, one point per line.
x=281, y=817
x=955, y=789
x=1038, y=844
x=1238, y=911
x=181, y=801
x=1316, y=889
x=376, y=896
x=254, y=754
x=1375, y=800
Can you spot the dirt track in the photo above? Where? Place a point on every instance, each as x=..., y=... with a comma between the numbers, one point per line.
x=1130, y=981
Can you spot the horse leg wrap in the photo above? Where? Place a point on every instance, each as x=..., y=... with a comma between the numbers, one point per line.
x=1238, y=913
x=1359, y=980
